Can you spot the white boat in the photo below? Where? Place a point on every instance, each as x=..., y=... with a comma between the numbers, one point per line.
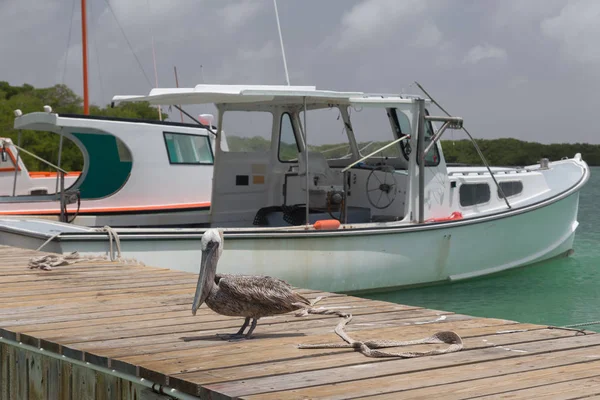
x=135, y=173
x=396, y=217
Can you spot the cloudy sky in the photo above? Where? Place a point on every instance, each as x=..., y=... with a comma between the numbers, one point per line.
x=512, y=68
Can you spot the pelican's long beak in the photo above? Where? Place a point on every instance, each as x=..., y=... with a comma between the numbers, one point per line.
x=208, y=268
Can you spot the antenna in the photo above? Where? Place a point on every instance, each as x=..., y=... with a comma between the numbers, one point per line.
x=86, y=101
x=177, y=84
x=154, y=62
x=287, y=77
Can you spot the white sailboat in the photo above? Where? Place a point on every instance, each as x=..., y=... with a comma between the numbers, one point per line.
x=397, y=216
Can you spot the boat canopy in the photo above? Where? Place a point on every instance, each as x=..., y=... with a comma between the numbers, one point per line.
x=262, y=94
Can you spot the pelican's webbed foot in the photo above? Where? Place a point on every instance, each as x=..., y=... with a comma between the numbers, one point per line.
x=232, y=337
x=236, y=337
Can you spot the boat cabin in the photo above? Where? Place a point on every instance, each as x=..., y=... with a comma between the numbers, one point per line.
x=130, y=166
x=370, y=176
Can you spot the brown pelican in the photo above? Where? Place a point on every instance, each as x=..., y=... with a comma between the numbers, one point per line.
x=246, y=296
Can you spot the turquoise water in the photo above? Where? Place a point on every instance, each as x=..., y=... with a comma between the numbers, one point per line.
x=559, y=292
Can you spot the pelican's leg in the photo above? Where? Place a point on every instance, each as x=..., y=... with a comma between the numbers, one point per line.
x=254, y=321
x=244, y=326
x=236, y=336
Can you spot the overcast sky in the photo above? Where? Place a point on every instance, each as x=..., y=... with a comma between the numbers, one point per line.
x=511, y=68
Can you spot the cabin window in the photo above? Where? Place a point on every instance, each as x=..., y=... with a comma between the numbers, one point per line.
x=401, y=124
x=510, y=188
x=248, y=131
x=188, y=149
x=474, y=193
x=432, y=158
x=288, y=147
x=372, y=130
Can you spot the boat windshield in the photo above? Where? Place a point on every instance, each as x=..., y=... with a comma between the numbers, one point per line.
x=327, y=133
x=373, y=130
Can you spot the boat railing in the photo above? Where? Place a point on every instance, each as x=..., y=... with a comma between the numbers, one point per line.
x=500, y=172
x=60, y=172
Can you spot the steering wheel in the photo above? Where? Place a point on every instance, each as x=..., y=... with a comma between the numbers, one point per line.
x=381, y=193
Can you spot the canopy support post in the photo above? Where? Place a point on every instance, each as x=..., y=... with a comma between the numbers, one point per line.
x=17, y=164
x=306, y=155
x=421, y=159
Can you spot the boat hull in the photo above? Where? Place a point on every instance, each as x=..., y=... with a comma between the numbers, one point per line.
x=357, y=261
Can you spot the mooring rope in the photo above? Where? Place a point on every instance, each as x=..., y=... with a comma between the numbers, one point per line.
x=112, y=235
x=582, y=324
x=47, y=262
x=367, y=347
x=573, y=327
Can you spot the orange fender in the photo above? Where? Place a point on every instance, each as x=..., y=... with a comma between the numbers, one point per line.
x=327, y=224
x=454, y=216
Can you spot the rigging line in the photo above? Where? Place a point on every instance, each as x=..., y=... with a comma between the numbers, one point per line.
x=68, y=44
x=472, y=141
x=96, y=52
x=128, y=43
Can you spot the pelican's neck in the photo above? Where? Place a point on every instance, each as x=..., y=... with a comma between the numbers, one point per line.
x=209, y=278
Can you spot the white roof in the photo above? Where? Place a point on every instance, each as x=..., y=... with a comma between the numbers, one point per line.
x=203, y=94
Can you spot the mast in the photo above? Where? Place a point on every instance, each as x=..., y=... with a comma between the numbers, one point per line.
x=86, y=101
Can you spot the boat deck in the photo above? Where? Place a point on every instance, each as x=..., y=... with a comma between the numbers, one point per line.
x=131, y=319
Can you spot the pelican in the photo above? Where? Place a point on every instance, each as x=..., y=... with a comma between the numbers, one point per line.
x=246, y=296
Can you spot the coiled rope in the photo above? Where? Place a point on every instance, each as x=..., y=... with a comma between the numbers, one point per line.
x=47, y=262
x=367, y=347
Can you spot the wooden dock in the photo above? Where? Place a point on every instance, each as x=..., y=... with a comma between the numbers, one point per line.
x=102, y=326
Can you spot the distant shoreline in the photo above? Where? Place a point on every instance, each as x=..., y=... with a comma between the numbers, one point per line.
x=507, y=152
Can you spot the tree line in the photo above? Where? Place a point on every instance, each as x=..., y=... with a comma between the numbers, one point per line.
x=501, y=152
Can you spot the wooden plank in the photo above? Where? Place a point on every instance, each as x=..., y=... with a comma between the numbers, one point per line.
x=108, y=387
x=4, y=372
x=498, y=385
x=98, y=346
x=65, y=381
x=84, y=382
x=317, y=335
x=449, y=381
x=22, y=374
x=51, y=368
x=12, y=372
x=243, y=387
x=186, y=317
x=36, y=383
x=188, y=325
x=160, y=315
x=168, y=343
x=283, y=359
x=571, y=389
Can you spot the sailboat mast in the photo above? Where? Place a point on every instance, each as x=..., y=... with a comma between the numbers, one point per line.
x=86, y=102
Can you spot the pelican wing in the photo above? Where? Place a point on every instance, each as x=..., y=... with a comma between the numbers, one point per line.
x=261, y=290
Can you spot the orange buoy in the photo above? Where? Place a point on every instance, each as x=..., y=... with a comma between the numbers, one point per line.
x=327, y=224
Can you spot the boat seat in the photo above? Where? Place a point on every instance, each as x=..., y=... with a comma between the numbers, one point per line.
x=321, y=175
